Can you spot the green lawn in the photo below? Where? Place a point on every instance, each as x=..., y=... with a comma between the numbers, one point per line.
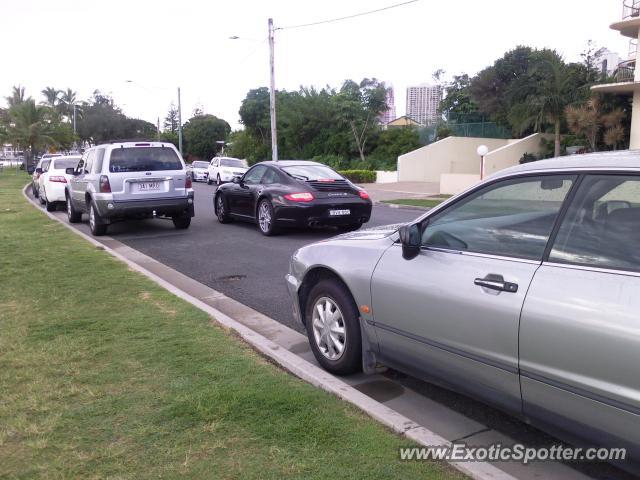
x=103, y=374
x=419, y=202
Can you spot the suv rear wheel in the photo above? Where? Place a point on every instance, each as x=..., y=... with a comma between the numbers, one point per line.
x=181, y=222
x=95, y=222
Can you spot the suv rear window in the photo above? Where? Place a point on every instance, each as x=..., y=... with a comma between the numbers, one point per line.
x=143, y=159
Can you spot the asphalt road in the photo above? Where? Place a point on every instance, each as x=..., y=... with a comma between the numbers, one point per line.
x=238, y=261
x=235, y=258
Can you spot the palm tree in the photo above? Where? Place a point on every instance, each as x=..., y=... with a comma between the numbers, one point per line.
x=29, y=126
x=68, y=98
x=17, y=96
x=51, y=96
x=547, y=105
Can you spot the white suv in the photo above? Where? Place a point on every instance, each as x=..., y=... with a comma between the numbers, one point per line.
x=223, y=169
x=124, y=180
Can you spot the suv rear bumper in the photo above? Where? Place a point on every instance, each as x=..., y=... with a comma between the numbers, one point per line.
x=163, y=207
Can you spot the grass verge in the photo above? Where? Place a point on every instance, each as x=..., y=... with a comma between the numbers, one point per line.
x=105, y=374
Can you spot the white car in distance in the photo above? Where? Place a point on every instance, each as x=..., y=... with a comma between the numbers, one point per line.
x=199, y=171
x=223, y=169
x=53, y=181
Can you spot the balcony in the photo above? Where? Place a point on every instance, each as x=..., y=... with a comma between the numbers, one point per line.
x=625, y=71
x=633, y=49
x=630, y=9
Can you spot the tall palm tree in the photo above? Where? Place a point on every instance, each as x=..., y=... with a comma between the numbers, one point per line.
x=29, y=126
x=554, y=93
x=17, y=96
x=68, y=98
x=51, y=96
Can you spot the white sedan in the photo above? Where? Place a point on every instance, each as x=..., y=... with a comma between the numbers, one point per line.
x=223, y=169
x=199, y=171
x=53, y=181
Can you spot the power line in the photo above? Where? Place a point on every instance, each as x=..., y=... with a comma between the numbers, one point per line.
x=348, y=16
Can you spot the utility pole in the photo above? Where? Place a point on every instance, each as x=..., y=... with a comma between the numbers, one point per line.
x=272, y=95
x=74, y=118
x=158, y=128
x=179, y=123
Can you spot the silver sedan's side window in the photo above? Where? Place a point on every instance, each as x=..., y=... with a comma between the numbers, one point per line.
x=511, y=218
x=602, y=225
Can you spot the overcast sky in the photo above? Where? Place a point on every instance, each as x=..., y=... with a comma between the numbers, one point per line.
x=160, y=45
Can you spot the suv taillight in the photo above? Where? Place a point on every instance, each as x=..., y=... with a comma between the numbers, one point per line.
x=105, y=186
x=188, y=183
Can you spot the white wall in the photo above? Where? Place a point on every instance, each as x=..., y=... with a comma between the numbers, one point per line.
x=454, y=183
x=509, y=155
x=383, y=176
x=449, y=155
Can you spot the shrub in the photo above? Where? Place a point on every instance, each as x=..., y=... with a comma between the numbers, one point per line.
x=359, y=176
x=528, y=157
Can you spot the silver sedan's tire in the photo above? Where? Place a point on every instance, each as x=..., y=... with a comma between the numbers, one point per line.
x=333, y=328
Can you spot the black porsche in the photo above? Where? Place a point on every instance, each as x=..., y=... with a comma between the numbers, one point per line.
x=292, y=193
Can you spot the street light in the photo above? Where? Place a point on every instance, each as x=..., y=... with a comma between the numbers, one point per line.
x=482, y=152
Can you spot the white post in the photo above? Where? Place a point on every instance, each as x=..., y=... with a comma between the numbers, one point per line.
x=272, y=95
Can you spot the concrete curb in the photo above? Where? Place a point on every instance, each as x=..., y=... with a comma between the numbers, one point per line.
x=305, y=370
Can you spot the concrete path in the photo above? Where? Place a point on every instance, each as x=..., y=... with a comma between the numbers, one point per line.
x=394, y=191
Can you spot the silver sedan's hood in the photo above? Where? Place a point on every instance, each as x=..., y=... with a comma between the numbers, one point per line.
x=372, y=233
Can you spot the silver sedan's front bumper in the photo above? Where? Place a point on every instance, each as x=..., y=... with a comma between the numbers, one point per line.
x=293, y=285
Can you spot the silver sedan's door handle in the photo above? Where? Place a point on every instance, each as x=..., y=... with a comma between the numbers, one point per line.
x=496, y=282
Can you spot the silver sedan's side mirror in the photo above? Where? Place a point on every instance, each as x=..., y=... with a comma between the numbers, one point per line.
x=411, y=240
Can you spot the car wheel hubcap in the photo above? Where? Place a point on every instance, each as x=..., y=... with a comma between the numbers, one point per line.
x=218, y=180
x=264, y=217
x=220, y=207
x=69, y=207
x=328, y=328
x=92, y=218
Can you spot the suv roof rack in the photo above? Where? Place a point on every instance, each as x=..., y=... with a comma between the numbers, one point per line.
x=132, y=140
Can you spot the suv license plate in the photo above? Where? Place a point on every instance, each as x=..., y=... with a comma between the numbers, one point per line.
x=337, y=213
x=148, y=186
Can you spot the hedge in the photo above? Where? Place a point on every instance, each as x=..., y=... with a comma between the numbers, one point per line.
x=359, y=176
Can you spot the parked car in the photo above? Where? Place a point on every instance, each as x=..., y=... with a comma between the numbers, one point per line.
x=522, y=292
x=52, y=183
x=223, y=169
x=292, y=193
x=199, y=171
x=41, y=167
x=119, y=181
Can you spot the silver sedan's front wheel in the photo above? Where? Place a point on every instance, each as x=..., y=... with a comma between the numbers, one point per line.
x=328, y=328
x=333, y=327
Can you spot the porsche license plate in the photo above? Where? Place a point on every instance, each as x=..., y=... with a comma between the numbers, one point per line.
x=339, y=213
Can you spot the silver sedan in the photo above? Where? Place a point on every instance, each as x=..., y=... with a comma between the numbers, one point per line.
x=523, y=291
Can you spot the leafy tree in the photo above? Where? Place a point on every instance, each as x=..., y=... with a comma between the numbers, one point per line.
x=68, y=98
x=394, y=142
x=103, y=121
x=458, y=97
x=51, y=97
x=547, y=103
x=171, y=120
x=254, y=114
x=29, y=126
x=17, y=96
x=358, y=106
x=202, y=132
